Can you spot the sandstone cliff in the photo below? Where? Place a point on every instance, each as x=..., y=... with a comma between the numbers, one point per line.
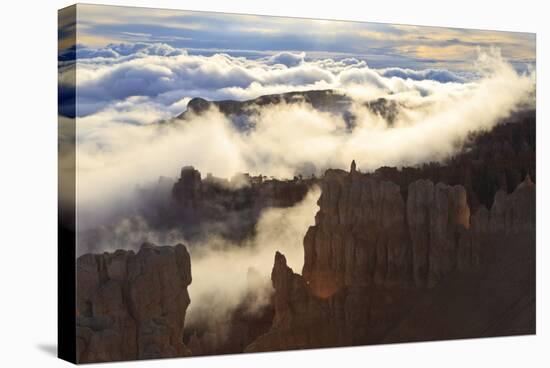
x=132, y=305
x=379, y=267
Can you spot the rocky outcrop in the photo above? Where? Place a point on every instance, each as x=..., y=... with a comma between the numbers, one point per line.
x=188, y=189
x=496, y=298
x=377, y=266
x=241, y=192
x=132, y=305
x=366, y=234
x=298, y=314
x=318, y=99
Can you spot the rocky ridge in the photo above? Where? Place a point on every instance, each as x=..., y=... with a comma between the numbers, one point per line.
x=322, y=100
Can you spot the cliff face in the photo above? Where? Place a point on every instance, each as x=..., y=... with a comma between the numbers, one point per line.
x=132, y=305
x=366, y=234
x=378, y=267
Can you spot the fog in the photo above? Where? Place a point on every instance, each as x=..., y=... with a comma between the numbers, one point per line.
x=228, y=275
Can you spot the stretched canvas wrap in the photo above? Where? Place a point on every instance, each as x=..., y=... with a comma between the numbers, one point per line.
x=238, y=183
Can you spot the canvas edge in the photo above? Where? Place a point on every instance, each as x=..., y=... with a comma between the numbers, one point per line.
x=66, y=247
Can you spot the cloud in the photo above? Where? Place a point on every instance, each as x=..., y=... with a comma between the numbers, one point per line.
x=287, y=59
x=120, y=50
x=439, y=75
x=224, y=268
x=165, y=76
x=363, y=76
x=152, y=75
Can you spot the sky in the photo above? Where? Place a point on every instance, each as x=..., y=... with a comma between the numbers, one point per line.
x=381, y=45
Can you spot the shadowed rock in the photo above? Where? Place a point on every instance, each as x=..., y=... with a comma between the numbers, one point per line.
x=322, y=100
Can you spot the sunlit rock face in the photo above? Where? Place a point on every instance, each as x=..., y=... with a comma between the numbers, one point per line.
x=372, y=257
x=359, y=236
x=132, y=305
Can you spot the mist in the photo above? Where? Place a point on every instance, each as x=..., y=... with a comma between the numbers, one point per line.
x=231, y=275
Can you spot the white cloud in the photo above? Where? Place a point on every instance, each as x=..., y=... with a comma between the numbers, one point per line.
x=286, y=58
x=439, y=75
x=166, y=75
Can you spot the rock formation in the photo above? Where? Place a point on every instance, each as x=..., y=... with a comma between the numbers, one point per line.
x=300, y=319
x=377, y=266
x=239, y=112
x=241, y=192
x=231, y=207
x=188, y=189
x=132, y=305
